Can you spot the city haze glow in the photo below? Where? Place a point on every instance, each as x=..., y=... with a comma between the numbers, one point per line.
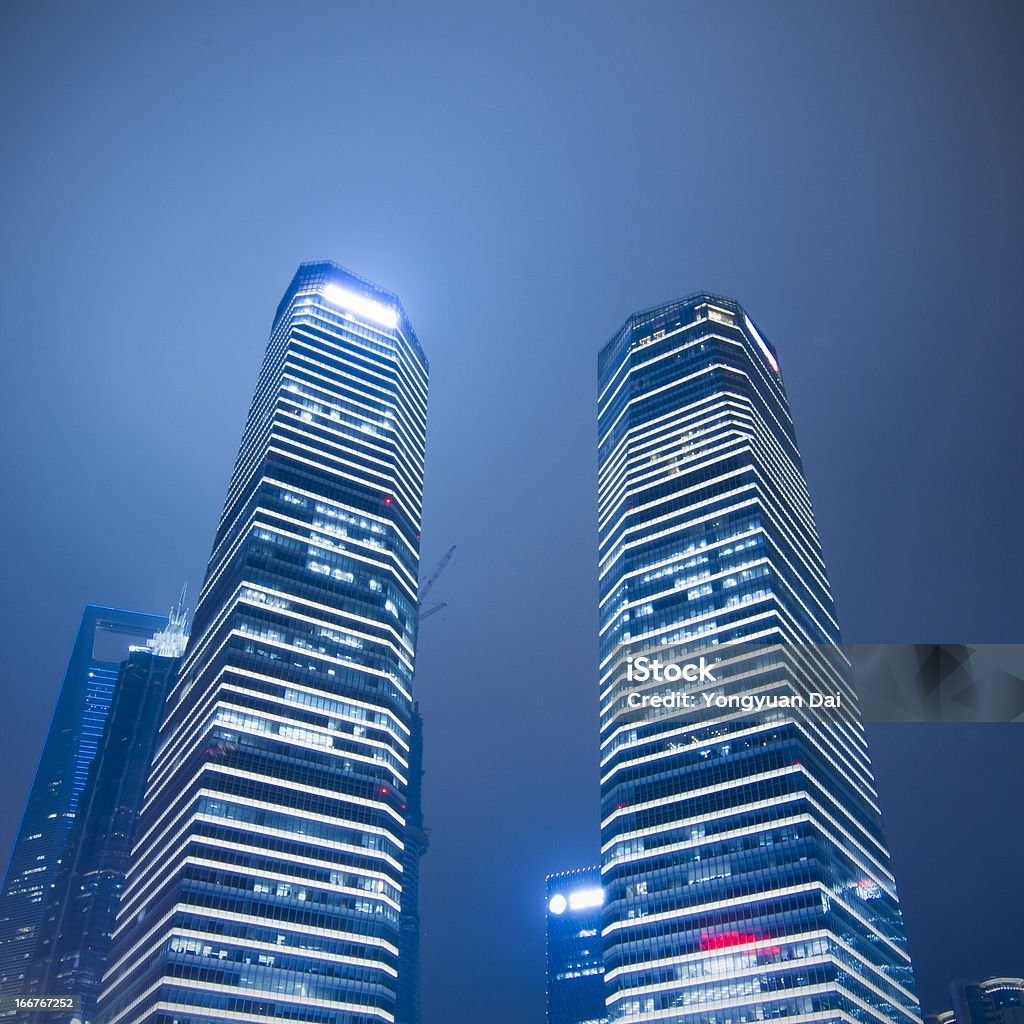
x=387, y=316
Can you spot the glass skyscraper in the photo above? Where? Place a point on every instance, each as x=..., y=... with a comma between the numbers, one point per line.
x=745, y=873
x=266, y=882
x=74, y=936
x=83, y=704
x=995, y=1001
x=575, y=981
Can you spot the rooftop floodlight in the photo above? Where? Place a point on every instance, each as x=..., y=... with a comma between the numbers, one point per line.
x=584, y=899
x=386, y=316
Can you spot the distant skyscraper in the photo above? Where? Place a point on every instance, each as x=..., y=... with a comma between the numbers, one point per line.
x=575, y=964
x=266, y=882
x=1007, y=998
x=74, y=937
x=971, y=1004
x=104, y=636
x=995, y=1001
x=744, y=867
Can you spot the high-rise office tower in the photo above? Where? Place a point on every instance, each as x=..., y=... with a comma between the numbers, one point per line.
x=74, y=936
x=575, y=965
x=101, y=644
x=266, y=881
x=745, y=873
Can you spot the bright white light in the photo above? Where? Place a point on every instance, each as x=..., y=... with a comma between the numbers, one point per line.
x=356, y=303
x=557, y=904
x=584, y=899
x=772, y=361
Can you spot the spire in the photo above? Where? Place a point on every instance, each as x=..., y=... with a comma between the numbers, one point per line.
x=170, y=641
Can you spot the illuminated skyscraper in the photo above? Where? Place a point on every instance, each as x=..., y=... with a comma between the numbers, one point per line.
x=575, y=986
x=744, y=869
x=266, y=883
x=1007, y=998
x=995, y=1001
x=83, y=704
x=74, y=936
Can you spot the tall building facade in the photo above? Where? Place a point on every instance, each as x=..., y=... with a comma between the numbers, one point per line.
x=417, y=839
x=575, y=965
x=266, y=882
x=743, y=863
x=74, y=936
x=83, y=704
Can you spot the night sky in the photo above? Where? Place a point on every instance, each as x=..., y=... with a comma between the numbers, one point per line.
x=524, y=176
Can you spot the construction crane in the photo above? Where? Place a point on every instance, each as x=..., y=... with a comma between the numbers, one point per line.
x=426, y=612
x=433, y=609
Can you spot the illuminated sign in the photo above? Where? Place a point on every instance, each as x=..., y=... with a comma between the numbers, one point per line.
x=868, y=889
x=731, y=940
x=578, y=899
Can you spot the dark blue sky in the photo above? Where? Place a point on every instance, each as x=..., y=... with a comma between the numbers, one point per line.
x=524, y=176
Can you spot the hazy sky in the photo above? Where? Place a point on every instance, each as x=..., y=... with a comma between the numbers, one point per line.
x=525, y=175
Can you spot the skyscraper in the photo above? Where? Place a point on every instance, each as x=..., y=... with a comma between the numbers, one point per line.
x=744, y=868
x=266, y=882
x=575, y=965
x=1007, y=998
x=995, y=1001
x=74, y=936
x=102, y=642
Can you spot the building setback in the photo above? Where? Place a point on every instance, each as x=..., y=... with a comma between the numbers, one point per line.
x=745, y=873
x=267, y=881
x=83, y=704
x=74, y=937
